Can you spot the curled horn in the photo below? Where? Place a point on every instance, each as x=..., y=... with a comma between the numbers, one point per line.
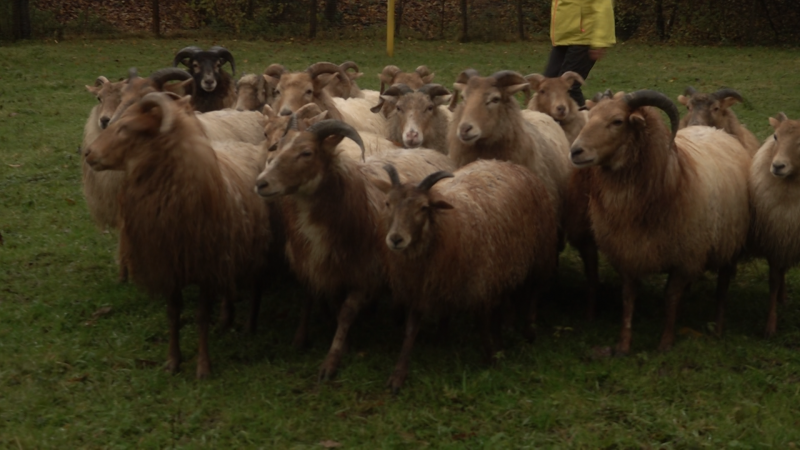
x=161, y=76
x=689, y=91
x=275, y=70
x=426, y=184
x=463, y=78
x=161, y=100
x=534, y=79
x=574, y=76
x=347, y=65
x=319, y=68
x=423, y=71
x=646, y=97
x=225, y=55
x=387, y=76
x=392, y=175
x=396, y=90
x=433, y=90
x=183, y=54
x=727, y=92
x=101, y=80
x=507, y=78
x=328, y=127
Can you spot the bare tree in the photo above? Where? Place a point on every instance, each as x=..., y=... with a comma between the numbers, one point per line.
x=156, y=19
x=330, y=11
x=20, y=19
x=464, y=32
x=521, y=21
x=312, y=25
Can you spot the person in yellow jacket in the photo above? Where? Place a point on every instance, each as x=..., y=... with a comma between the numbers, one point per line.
x=581, y=31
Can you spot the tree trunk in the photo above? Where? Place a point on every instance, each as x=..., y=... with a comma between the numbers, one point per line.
x=442, y=25
x=312, y=22
x=521, y=21
x=464, y=31
x=156, y=19
x=399, y=18
x=330, y=11
x=660, y=19
x=251, y=9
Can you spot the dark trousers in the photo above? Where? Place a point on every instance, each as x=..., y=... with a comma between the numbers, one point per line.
x=565, y=58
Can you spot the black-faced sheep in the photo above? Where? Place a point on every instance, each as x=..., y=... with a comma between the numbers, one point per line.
x=713, y=110
x=465, y=243
x=418, y=118
x=774, y=190
x=663, y=203
x=189, y=214
x=212, y=88
x=333, y=212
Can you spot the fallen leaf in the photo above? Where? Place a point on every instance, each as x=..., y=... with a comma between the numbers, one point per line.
x=14, y=166
x=330, y=444
x=101, y=312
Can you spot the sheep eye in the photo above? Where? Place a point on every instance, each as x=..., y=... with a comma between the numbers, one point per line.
x=399, y=109
x=305, y=154
x=276, y=92
x=309, y=92
x=542, y=91
x=273, y=147
x=775, y=136
x=617, y=122
x=430, y=108
x=99, y=100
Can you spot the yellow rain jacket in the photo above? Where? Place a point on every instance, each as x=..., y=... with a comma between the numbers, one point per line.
x=582, y=22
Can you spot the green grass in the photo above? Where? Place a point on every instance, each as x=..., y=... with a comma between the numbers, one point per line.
x=72, y=380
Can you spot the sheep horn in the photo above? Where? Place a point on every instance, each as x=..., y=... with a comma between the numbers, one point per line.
x=161, y=100
x=725, y=93
x=464, y=76
x=183, y=54
x=396, y=90
x=426, y=184
x=422, y=71
x=392, y=175
x=101, y=80
x=433, y=90
x=507, y=78
x=387, y=75
x=319, y=68
x=646, y=97
x=225, y=55
x=574, y=76
x=161, y=76
x=275, y=70
x=308, y=111
x=328, y=127
x=347, y=65
x=689, y=91
x=536, y=78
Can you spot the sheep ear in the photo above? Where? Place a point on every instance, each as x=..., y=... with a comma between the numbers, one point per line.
x=94, y=90
x=182, y=88
x=683, y=100
x=268, y=112
x=329, y=143
x=727, y=102
x=534, y=80
x=428, y=78
x=441, y=204
x=185, y=102
x=590, y=104
x=318, y=118
x=382, y=185
x=637, y=118
x=777, y=120
x=272, y=81
x=513, y=89
x=440, y=100
x=324, y=79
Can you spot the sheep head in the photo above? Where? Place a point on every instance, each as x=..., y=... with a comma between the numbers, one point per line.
x=303, y=158
x=552, y=94
x=487, y=101
x=391, y=75
x=412, y=209
x=109, y=95
x=615, y=123
x=136, y=87
x=276, y=126
x=294, y=90
x=708, y=109
x=342, y=86
x=251, y=92
x=413, y=110
x=205, y=66
x=787, y=141
x=150, y=119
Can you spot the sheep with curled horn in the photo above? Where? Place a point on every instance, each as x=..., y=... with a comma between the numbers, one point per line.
x=774, y=190
x=663, y=200
x=295, y=89
x=418, y=118
x=333, y=213
x=345, y=86
x=391, y=75
x=212, y=88
x=463, y=241
x=714, y=110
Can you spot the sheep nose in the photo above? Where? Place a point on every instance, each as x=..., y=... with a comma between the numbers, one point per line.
x=561, y=109
x=285, y=112
x=262, y=184
x=396, y=239
x=465, y=128
x=575, y=152
x=104, y=122
x=777, y=167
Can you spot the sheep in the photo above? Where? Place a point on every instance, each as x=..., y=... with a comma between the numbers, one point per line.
x=344, y=86
x=465, y=243
x=252, y=93
x=295, y=89
x=212, y=88
x=232, y=125
x=189, y=214
x=391, y=75
x=333, y=212
x=552, y=98
x=773, y=193
x=661, y=201
x=357, y=112
x=490, y=125
x=418, y=118
x=713, y=110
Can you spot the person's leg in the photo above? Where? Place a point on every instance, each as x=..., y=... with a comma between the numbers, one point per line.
x=576, y=59
x=554, y=62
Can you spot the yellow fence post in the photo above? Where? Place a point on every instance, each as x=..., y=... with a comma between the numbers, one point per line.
x=390, y=28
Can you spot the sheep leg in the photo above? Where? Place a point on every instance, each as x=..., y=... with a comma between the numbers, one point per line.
x=777, y=279
x=588, y=253
x=174, y=308
x=203, y=319
x=347, y=314
x=255, y=306
x=726, y=273
x=628, y=301
x=676, y=283
x=300, y=340
x=398, y=377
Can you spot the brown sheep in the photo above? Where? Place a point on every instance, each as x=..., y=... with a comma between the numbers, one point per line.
x=333, y=212
x=344, y=86
x=663, y=203
x=713, y=110
x=295, y=89
x=188, y=212
x=466, y=243
x=252, y=92
x=552, y=98
x=417, y=118
x=391, y=75
x=774, y=190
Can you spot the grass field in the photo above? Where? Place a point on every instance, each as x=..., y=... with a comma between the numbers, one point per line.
x=80, y=354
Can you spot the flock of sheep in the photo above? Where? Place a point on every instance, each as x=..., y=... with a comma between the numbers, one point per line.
x=452, y=205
